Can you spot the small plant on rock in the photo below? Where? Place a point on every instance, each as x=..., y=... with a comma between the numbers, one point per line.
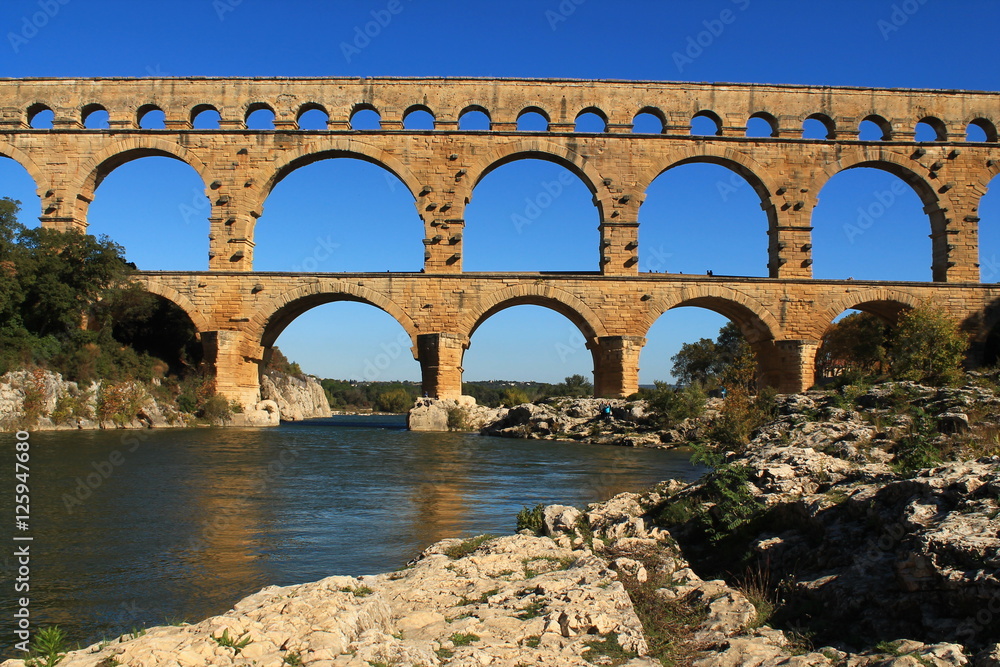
x=47, y=648
x=466, y=547
x=463, y=638
x=231, y=642
x=531, y=519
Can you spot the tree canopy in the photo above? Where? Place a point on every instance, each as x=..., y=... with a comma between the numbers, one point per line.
x=705, y=361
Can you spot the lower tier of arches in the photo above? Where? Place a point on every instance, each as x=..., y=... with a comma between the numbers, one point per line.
x=239, y=315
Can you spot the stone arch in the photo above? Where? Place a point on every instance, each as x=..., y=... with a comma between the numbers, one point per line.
x=756, y=322
x=547, y=296
x=878, y=158
x=902, y=167
x=882, y=302
x=200, y=321
x=268, y=323
x=539, y=149
x=23, y=159
x=96, y=168
x=755, y=173
x=346, y=148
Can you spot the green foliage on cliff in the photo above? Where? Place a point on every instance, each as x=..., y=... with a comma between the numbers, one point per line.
x=68, y=303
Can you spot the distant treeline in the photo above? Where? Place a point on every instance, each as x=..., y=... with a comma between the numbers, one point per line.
x=400, y=396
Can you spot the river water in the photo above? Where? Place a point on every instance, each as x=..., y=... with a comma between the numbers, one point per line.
x=132, y=529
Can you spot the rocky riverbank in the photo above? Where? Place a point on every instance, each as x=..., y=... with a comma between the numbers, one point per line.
x=43, y=401
x=822, y=544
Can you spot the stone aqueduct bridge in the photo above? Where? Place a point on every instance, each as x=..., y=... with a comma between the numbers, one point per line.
x=240, y=313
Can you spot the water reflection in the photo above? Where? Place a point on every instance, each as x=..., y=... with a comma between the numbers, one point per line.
x=180, y=524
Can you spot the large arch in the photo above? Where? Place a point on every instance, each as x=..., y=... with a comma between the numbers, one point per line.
x=562, y=302
x=200, y=321
x=901, y=166
x=755, y=173
x=268, y=323
x=349, y=148
x=883, y=302
x=756, y=322
x=538, y=149
x=96, y=168
x=29, y=165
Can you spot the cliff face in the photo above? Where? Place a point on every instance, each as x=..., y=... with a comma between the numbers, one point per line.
x=43, y=401
x=297, y=398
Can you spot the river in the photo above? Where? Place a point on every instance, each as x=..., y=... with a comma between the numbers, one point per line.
x=133, y=529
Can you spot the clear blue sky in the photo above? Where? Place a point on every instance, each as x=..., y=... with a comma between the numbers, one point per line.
x=940, y=45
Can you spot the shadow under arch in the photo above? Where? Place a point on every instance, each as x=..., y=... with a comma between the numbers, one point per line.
x=901, y=166
x=537, y=149
x=153, y=286
x=97, y=168
x=265, y=327
x=886, y=304
x=562, y=302
x=346, y=148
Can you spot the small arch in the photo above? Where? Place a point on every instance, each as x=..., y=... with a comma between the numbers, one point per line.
x=930, y=128
x=649, y=120
x=312, y=116
x=874, y=128
x=94, y=117
x=819, y=126
x=40, y=117
x=591, y=119
x=533, y=119
x=981, y=129
x=474, y=118
x=418, y=117
x=365, y=117
x=706, y=123
x=150, y=117
x=205, y=117
x=259, y=116
x=762, y=124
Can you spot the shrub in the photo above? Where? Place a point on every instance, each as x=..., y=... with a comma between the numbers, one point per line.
x=742, y=412
x=120, y=403
x=670, y=406
x=514, y=396
x=457, y=420
x=216, y=409
x=928, y=347
x=531, y=519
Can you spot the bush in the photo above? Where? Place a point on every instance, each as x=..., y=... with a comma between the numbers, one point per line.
x=120, y=403
x=670, y=406
x=514, y=396
x=457, y=419
x=531, y=519
x=216, y=409
x=742, y=412
x=927, y=347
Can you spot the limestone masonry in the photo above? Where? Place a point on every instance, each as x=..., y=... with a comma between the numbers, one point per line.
x=240, y=313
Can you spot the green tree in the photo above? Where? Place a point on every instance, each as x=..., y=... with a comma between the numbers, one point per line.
x=744, y=409
x=927, y=346
x=859, y=343
x=394, y=400
x=578, y=386
x=706, y=360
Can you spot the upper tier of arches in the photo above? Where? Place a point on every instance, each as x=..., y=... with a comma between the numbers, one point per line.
x=777, y=111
